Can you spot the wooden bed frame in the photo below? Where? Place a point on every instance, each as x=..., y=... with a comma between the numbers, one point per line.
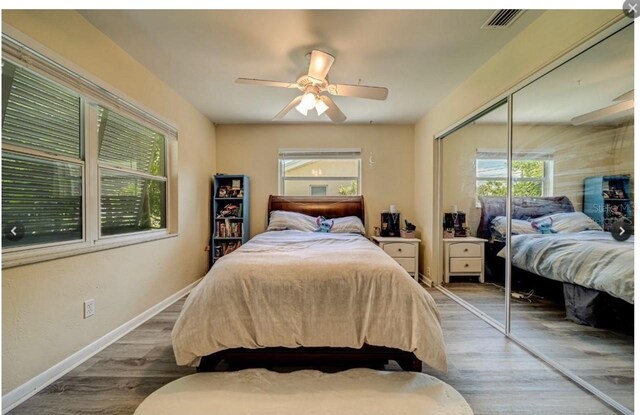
x=370, y=356
x=327, y=206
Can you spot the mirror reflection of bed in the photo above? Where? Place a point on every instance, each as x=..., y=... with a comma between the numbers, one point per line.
x=572, y=289
x=572, y=180
x=578, y=265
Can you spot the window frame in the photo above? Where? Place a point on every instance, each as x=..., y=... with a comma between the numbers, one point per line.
x=104, y=166
x=318, y=154
x=546, y=180
x=90, y=100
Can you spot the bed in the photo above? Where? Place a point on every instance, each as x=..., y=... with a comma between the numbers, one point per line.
x=596, y=271
x=301, y=297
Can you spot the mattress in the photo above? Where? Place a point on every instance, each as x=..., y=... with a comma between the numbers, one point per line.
x=591, y=259
x=293, y=289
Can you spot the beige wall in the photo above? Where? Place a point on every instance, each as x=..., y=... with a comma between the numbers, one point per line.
x=578, y=152
x=549, y=37
x=253, y=150
x=42, y=320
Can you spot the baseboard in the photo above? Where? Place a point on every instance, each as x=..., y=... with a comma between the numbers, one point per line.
x=23, y=392
x=426, y=280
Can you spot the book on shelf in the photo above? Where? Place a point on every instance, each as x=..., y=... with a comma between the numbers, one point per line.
x=226, y=248
x=230, y=210
x=228, y=229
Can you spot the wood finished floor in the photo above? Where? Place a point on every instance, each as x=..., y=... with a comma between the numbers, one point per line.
x=602, y=357
x=491, y=372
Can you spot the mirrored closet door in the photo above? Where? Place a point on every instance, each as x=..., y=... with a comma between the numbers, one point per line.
x=475, y=174
x=536, y=202
x=572, y=185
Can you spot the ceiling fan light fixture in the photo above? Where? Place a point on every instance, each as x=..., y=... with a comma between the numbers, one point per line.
x=321, y=107
x=308, y=101
x=301, y=109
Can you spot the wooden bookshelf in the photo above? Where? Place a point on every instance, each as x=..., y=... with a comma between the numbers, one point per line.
x=230, y=214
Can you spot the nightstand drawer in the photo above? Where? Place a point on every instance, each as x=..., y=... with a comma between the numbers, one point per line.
x=409, y=264
x=465, y=250
x=400, y=250
x=465, y=265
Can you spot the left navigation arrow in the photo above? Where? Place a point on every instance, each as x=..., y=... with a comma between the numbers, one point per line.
x=13, y=232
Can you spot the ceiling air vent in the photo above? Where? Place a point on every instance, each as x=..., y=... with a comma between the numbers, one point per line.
x=502, y=19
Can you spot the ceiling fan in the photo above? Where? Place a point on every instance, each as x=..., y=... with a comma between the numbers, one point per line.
x=623, y=104
x=314, y=84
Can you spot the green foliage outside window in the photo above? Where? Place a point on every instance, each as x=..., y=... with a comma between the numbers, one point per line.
x=156, y=191
x=522, y=169
x=350, y=190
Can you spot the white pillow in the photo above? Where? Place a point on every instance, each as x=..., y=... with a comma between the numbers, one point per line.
x=518, y=226
x=569, y=222
x=348, y=224
x=281, y=220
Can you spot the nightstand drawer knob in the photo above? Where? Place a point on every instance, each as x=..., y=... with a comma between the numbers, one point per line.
x=466, y=249
x=466, y=265
x=399, y=249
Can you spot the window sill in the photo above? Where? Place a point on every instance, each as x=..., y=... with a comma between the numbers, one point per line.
x=36, y=255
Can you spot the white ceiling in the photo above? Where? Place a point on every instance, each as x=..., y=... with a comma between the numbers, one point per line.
x=420, y=56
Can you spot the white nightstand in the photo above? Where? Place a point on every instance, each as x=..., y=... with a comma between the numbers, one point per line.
x=464, y=256
x=403, y=250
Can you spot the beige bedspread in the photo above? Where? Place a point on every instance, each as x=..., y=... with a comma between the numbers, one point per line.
x=292, y=288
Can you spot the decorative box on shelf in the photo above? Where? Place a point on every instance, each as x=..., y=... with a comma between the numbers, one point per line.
x=407, y=234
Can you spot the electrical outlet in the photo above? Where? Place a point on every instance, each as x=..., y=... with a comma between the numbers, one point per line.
x=89, y=307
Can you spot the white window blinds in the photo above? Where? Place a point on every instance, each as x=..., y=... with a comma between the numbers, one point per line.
x=42, y=168
x=39, y=114
x=65, y=139
x=329, y=153
x=132, y=175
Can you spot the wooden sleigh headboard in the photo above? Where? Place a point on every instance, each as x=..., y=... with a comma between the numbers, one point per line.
x=327, y=206
x=523, y=208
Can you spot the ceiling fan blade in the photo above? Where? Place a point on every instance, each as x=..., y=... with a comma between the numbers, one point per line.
x=627, y=96
x=263, y=82
x=319, y=64
x=333, y=112
x=360, y=91
x=603, y=113
x=288, y=108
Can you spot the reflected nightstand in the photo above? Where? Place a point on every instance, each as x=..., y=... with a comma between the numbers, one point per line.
x=464, y=257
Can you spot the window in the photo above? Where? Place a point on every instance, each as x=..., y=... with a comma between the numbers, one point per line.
x=325, y=172
x=132, y=180
x=42, y=161
x=532, y=174
x=77, y=175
